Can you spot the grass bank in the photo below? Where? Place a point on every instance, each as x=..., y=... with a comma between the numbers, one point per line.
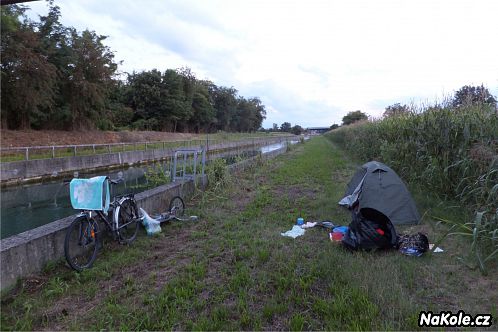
x=452, y=152
x=233, y=269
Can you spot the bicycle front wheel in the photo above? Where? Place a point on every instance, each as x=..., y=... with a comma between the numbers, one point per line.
x=127, y=220
x=177, y=206
x=80, y=244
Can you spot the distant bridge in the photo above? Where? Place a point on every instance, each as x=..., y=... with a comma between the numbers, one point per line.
x=317, y=130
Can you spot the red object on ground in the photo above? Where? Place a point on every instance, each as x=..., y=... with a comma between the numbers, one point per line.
x=380, y=231
x=337, y=236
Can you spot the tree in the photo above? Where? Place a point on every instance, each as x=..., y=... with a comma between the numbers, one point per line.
x=297, y=130
x=176, y=106
x=275, y=127
x=353, y=117
x=144, y=95
x=56, y=77
x=396, y=109
x=119, y=115
x=286, y=126
x=203, y=111
x=189, y=87
x=91, y=78
x=471, y=95
x=334, y=126
x=225, y=102
x=57, y=47
x=259, y=113
x=249, y=115
x=28, y=78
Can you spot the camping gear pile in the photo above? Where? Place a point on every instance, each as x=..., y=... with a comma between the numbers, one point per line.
x=336, y=232
x=378, y=200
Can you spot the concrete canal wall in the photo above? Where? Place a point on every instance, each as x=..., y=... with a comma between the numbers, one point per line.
x=29, y=170
x=27, y=253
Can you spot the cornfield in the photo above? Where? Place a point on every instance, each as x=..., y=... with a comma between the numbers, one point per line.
x=449, y=151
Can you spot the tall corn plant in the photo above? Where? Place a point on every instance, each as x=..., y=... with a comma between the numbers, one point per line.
x=483, y=233
x=451, y=151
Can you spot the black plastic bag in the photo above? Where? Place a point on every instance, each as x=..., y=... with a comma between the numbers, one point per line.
x=374, y=232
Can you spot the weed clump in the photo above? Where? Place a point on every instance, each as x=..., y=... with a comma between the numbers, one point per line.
x=157, y=175
x=218, y=174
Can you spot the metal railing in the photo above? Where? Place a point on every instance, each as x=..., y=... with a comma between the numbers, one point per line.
x=61, y=151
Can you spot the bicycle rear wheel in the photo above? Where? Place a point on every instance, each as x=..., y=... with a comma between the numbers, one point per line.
x=177, y=206
x=80, y=244
x=127, y=220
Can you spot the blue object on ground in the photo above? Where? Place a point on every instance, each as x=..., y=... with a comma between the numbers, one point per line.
x=411, y=252
x=340, y=229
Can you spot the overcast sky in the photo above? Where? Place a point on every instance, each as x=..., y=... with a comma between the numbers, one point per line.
x=310, y=62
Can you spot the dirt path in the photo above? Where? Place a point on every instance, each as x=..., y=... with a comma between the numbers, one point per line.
x=17, y=138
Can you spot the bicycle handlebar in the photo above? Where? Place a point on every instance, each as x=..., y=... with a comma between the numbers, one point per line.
x=116, y=181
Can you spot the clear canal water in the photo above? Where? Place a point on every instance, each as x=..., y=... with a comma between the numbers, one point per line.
x=29, y=206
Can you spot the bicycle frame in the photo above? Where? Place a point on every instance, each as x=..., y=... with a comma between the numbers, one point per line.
x=109, y=220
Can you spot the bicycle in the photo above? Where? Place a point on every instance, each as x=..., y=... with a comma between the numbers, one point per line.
x=175, y=211
x=84, y=237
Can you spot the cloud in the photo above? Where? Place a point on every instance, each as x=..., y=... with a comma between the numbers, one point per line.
x=283, y=105
x=310, y=62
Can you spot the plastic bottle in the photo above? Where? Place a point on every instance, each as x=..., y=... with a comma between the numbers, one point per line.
x=300, y=221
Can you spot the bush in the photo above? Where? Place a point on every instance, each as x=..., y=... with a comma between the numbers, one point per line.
x=157, y=175
x=217, y=172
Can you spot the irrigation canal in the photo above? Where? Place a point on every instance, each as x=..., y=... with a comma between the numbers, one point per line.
x=26, y=207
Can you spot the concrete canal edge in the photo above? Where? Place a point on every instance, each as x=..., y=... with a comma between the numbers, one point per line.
x=12, y=173
x=28, y=252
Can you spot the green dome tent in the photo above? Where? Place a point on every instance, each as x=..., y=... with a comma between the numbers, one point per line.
x=376, y=187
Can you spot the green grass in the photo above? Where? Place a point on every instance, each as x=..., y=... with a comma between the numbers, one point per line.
x=233, y=270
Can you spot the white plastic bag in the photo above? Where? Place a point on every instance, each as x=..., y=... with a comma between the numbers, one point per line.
x=152, y=226
x=294, y=232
